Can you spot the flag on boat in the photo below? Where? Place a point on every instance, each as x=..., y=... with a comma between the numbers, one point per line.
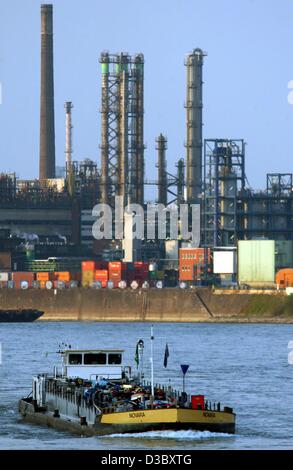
x=166, y=355
x=138, y=351
x=136, y=357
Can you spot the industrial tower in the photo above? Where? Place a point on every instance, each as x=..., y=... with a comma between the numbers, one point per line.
x=47, y=126
x=122, y=140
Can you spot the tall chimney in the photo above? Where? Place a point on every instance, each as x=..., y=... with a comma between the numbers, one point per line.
x=47, y=127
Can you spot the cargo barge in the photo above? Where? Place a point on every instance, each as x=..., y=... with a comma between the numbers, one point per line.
x=95, y=394
x=19, y=316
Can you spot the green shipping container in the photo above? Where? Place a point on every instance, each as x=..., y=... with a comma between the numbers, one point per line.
x=256, y=261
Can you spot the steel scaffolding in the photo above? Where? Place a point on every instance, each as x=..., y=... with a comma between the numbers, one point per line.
x=224, y=178
x=122, y=147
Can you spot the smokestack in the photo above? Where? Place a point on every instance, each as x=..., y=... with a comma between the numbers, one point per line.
x=162, y=169
x=47, y=128
x=194, y=105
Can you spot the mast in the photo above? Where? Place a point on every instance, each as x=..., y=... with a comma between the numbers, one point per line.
x=152, y=361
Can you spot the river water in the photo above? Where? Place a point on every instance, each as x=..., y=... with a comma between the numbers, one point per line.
x=242, y=366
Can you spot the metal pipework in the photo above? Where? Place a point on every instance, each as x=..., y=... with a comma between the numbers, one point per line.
x=47, y=126
x=162, y=169
x=194, y=105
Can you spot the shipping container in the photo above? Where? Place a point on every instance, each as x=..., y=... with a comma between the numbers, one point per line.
x=87, y=278
x=102, y=276
x=117, y=272
x=224, y=262
x=18, y=277
x=62, y=276
x=88, y=265
x=197, y=402
x=192, y=262
x=284, y=278
x=256, y=262
x=43, y=276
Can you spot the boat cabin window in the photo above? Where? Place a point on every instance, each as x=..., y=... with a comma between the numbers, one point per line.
x=75, y=359
x=95, y=358
x=114, y=358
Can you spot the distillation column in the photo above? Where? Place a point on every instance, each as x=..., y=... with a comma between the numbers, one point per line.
x=162, y=169
x=194, y=105
x=122, y=171
x=139, y=72
x=104, y=129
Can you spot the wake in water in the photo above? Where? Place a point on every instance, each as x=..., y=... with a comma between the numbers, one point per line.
x=181, y=435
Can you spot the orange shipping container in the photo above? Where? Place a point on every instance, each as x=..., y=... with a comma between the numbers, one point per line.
x=43, y=276
x=284, y=278
x=191, y=260
x=88, y=266
x=101, y=274
x=62, y=276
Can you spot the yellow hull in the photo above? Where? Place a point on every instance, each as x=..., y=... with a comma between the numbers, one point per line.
x=173, y=418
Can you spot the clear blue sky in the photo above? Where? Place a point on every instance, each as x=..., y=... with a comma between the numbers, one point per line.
x=249, y=64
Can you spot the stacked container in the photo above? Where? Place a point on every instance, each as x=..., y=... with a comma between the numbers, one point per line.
x=101, y=275
x=87, y=273
x=63, y=276
x=20, y=277
x=141, y=272
x=43, y=277
x=117, y=272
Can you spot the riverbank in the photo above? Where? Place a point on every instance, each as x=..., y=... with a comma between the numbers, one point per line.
x=153, y=305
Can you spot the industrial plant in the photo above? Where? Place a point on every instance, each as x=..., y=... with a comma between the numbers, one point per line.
x=246, y=236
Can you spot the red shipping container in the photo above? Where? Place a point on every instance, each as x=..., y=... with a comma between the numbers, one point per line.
x=141, y=266
x=101, y=275
x=88, y=265
x=197, y=402
x=18, y=276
